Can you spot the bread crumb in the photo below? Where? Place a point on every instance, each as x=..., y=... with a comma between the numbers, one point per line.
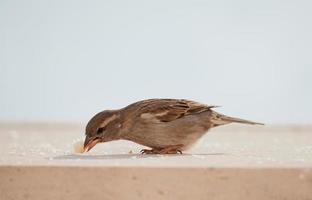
x=130, y=152
x=78, y=147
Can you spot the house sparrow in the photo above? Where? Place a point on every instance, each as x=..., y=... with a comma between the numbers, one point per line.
x=167, y=126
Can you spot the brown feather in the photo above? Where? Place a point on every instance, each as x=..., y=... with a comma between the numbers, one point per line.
x=168, y=110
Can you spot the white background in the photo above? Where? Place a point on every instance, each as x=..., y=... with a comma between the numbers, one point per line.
x=67, y=60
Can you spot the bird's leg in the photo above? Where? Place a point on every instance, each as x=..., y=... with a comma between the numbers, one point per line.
x=172, y=149
x=149, y=151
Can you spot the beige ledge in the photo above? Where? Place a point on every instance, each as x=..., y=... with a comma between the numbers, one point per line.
x=232, y=162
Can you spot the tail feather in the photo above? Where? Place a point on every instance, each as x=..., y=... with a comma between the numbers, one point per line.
x=219, y=119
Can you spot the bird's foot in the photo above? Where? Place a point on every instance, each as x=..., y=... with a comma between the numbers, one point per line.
x=174, y=149
x=171, y=150
x=148, y=151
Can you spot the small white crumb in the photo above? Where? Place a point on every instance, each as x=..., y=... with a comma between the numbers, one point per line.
x=78, y=147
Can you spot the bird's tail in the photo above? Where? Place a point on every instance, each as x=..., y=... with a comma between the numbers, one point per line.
x=219, y=119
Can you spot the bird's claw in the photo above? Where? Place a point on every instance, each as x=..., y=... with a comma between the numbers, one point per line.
x=167, y=150
x=147, y=151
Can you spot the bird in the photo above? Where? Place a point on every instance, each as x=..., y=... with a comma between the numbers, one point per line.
x=165, y=126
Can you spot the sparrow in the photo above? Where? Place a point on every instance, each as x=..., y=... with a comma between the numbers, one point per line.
x=166, y=126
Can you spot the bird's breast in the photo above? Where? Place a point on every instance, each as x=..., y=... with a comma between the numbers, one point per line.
x=185, y=131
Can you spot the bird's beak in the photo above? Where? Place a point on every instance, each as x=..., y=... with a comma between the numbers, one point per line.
x=90, y=142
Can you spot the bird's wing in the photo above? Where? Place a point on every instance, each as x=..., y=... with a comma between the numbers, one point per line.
x=166, y=110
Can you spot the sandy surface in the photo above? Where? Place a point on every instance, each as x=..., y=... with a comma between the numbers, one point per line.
x=229, y=146
x=234, y=162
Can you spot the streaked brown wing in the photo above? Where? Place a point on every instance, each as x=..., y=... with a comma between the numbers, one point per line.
x=166, y=110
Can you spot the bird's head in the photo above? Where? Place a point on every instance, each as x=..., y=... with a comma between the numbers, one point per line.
x=103, y=127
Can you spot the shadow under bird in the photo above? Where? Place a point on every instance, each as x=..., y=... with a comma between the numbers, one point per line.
x=167, y=126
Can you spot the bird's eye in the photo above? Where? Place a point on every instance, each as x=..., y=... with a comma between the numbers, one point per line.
x=100, y=130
